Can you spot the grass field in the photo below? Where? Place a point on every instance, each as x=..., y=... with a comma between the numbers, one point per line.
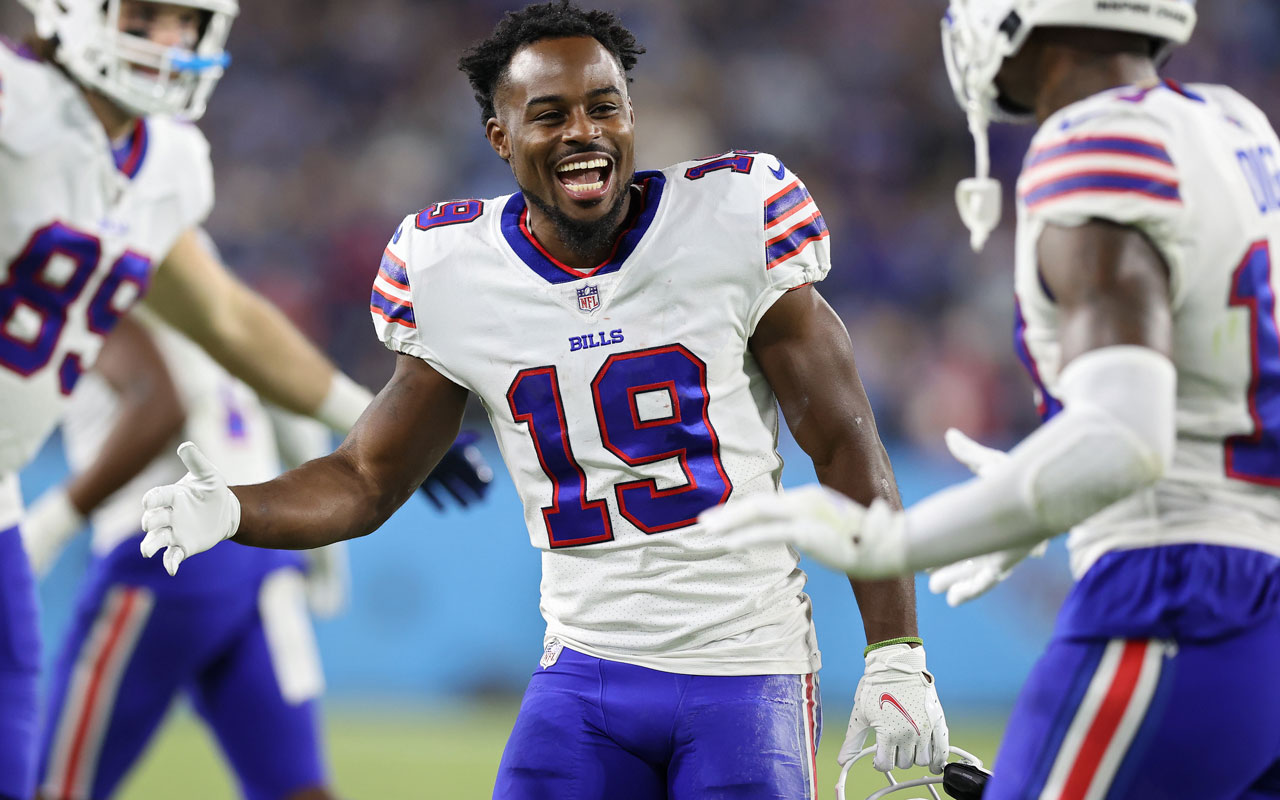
x=428, y=755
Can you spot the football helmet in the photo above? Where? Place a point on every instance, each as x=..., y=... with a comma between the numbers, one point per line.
x=978, y=35
x=962, y=779
x=139, y=75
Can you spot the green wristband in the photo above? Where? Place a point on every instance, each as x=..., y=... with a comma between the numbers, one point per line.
x=887, y=642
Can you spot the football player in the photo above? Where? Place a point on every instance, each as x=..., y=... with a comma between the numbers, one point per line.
x=101, y=190
x=631, y=335
x=233, y=635
x=1148, y=217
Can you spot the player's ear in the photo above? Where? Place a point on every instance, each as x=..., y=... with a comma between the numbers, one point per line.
x=631, y=109
x=498, y=140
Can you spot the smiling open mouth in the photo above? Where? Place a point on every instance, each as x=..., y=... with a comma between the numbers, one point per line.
x=585, y=178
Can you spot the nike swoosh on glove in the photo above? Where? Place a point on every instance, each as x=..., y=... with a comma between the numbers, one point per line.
x=462, y=474
x=973, y=577
x=189, y=516
x=897, y=699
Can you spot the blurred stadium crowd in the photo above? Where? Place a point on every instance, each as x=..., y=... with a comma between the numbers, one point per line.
x=338, y=117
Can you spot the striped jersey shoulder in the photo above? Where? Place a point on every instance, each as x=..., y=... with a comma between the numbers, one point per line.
x=1104, y=153
x=793, y=223
x=392, y=298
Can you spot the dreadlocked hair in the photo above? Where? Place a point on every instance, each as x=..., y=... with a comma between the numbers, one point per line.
x=485, y=64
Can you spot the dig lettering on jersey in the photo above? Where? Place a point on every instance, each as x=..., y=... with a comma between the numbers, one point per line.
x=670, y=379
x=45, y=279
x=1256, y=457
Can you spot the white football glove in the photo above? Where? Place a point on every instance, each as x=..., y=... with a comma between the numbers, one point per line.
x=965, y=580
x=328, y=579
x=189, y=516
x=898, y=700
x=864, y=542
x=48, y=525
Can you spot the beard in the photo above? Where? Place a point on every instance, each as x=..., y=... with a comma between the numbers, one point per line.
x=584, y=238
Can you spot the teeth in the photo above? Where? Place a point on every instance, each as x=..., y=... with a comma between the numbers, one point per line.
x=592, y=164
x=583, y=187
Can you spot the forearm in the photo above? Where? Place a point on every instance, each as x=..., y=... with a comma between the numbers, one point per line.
x=1115, y=436
x=139, y=435
x=255, y=342
x=887, y=607
x=323, y=501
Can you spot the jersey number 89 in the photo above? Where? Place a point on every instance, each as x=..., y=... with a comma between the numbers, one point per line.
x=34, y=289
x=685, y=434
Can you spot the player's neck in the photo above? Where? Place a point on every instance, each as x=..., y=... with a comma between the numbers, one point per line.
x=577, y=252
x=115, y=121
x=1070, y=74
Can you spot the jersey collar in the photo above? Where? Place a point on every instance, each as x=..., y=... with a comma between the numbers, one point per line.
x=130, y=155
x=515, y=230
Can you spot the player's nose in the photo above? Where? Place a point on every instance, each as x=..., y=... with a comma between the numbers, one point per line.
x=581, y=127
x=170, y=30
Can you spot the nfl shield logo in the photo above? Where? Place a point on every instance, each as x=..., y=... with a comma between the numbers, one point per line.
x=588, y=298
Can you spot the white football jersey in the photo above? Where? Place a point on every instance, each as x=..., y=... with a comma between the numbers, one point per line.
x=1197, y=170
x=224, y=418
x=625, y=401
x=78, y=238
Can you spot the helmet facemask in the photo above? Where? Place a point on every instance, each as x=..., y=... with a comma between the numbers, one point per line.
x=977, y=37
x=137, y=74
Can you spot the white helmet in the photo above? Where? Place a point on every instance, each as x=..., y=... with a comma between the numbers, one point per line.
x=978, y=35
x=966, y=781
x=139, y=75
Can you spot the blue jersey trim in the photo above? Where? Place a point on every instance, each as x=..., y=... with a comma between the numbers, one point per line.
x=517, y=235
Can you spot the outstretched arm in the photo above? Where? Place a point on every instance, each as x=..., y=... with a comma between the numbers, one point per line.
x=1114, y=436
x=805, y=353
x=349, y=493
x=252, y=339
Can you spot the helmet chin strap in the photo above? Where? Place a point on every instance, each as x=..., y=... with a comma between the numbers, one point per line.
x=978, y=198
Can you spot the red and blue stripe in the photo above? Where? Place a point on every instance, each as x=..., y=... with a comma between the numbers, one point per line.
x=1102, y=181
x=794, y=239
x=786, y=202
x=132, y=153
x=387, y=305
x=1101, y=145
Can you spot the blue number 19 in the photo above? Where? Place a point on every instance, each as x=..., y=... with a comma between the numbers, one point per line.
x=675, y=382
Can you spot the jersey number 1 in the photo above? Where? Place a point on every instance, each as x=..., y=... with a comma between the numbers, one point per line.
x=681, y=429
x=1256, y=457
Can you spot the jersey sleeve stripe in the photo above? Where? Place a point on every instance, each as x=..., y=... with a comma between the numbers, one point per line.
x=392, y=310
x=775, y=207
x=1127, y=145
x=780, y=248
x=393, y=270
x=1128, y=182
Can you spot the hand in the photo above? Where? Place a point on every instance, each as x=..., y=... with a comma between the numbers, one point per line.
x=898, y=700
x=189, y=516
x=462, y=473
x=328, y=579
x=965, y=580
x=46, y=528
x=864, y=542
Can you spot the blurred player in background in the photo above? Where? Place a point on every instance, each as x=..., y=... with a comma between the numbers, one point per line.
x=234, y=635
x=631, y=335
x=1148, y=217
x=101, y=190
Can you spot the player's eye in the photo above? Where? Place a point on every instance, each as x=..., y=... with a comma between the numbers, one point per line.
x=604, y=109
x=549, y=117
